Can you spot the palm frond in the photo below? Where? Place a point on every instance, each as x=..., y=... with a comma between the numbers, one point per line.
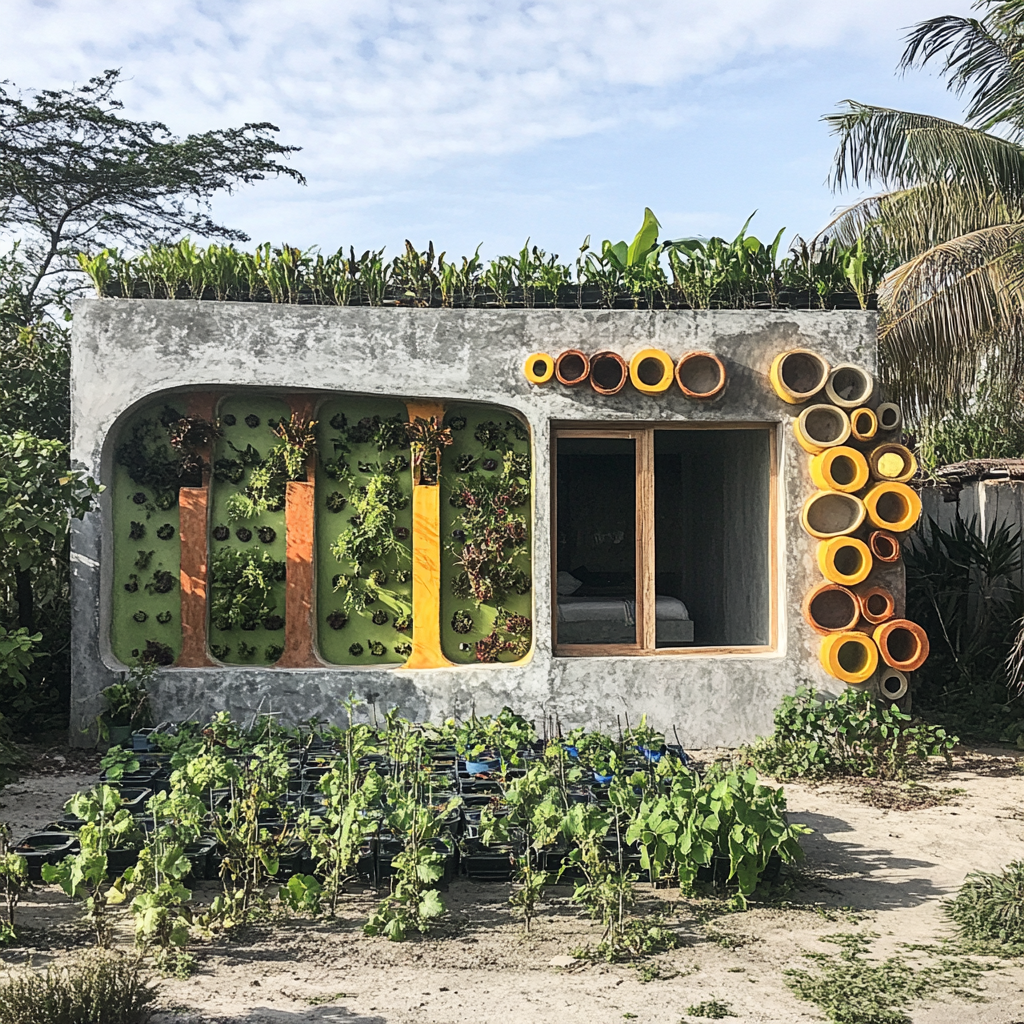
x=901, y=149
x=913, y=220
x=951, y=312
x=985, y=54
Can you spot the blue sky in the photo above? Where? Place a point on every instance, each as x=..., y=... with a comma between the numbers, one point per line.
x=468, y=121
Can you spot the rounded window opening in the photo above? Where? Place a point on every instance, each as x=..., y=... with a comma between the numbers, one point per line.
x=852, y=656
x=802, y=373
x=848, y=560
x=651, y=372
x=834, y=609
x=892, y=507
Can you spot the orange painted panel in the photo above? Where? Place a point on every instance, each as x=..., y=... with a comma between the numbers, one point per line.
x=192, y=532
x=298, y=619
x=426, y=563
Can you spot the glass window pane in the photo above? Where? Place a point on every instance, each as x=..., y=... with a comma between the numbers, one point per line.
x=596, y=542
x=712, y=576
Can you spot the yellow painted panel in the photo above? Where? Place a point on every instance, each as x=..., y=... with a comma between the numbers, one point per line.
x=426, y=563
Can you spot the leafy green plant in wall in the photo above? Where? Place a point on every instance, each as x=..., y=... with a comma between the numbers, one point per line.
x=241, y=586
x=492, y=532
x=427, y=439
x=268, y=479
x=372, y=535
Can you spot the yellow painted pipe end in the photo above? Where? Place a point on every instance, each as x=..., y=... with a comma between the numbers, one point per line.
x=539, y=368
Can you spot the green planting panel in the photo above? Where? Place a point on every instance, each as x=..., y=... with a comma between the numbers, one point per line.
x=363, y=474
x=146, y=607
x=486, y=479
x=246, y=627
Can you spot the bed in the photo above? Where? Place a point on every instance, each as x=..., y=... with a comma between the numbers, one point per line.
x=591, y=619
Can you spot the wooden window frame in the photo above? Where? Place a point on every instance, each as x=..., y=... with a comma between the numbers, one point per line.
x=643, y=436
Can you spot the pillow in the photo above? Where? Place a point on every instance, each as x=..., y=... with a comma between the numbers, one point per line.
x=567, y=584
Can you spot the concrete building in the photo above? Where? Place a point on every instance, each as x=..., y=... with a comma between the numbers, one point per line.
x=654, y=561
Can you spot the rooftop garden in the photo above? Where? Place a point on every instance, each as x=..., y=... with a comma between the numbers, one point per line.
x=686, y=273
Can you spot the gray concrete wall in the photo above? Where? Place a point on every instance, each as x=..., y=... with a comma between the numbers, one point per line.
x=125, y=351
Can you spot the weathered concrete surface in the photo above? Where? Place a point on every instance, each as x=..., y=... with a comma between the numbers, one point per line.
x=125, y=351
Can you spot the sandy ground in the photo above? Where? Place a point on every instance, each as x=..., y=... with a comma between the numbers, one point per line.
x=880, y=872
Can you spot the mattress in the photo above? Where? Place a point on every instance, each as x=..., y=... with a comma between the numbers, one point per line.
x=617, y=609
x=612, y=620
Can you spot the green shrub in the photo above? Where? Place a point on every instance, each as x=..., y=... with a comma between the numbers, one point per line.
x=851, y=735
x=98, y=989
x=989, y=908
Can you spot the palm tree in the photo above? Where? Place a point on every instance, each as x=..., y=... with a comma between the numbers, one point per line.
x=951, y=211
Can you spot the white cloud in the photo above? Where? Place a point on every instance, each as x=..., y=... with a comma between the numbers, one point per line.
x=430, y=116
x=388, y=86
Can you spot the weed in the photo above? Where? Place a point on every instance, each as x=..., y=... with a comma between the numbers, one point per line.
x=175, y=963
x=712, y=1009
x=906, y=796
x=100, y=988
x=851, y=989
x=726, y=940
x=324, y=1000
x=851, y=735
x=989, y=909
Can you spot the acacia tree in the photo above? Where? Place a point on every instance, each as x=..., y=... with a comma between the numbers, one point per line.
x=75, y=174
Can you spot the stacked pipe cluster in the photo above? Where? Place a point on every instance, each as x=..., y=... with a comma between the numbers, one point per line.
x=651, y=371
x=861, y=507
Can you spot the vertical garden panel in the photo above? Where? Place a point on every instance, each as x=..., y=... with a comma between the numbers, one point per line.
x=486, y=478
x=363, y=532
x=247, y=544
x=146, y=606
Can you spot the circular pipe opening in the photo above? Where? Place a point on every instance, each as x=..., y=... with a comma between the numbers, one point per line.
x=823, y=425
x=892, y=507
x=848, y=560
x=608, y=373
x=852, y=656
x=877, y=604
x=892, y=462
x=893, y=684
x=849, y=386
x=572, y=367
x=863, y=424
x=650, y=371
x=700, y=375
x=539, y=368
x=843, y=470
x=798, y=375
x=839, y=468
x=832, y=608
x=832, y=514
x=889, y=416
x=902, y=645
x=884, y=546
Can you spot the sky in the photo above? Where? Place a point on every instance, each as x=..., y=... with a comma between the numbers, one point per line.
x=490, y=121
